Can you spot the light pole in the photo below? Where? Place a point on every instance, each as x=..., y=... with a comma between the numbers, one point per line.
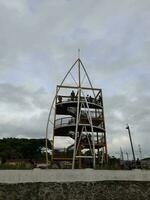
x=140, y=151
x=128, y=128
x=127, y=155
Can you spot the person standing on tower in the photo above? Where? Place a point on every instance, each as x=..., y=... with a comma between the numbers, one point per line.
x=72, y=95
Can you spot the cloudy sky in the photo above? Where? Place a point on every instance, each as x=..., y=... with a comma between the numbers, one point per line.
x=38, y=44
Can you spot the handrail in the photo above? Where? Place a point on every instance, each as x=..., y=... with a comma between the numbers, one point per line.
x=72, y=121
x=61, y=99
x=64, y=120
x=93, y=114
x=84, y=113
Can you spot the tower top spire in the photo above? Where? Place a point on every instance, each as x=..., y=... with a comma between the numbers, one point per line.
x=78, y=53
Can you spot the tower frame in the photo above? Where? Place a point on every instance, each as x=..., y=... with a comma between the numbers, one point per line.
x=86, y=124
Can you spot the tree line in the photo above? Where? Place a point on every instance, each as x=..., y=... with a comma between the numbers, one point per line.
x=23, y=149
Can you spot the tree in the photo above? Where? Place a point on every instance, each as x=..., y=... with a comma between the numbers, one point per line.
x=16, y=148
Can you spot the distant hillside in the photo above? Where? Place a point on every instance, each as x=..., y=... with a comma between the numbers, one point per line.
x=146, y=158
x=15, y=148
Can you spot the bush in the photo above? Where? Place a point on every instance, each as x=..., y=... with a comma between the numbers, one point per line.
x=16, y=166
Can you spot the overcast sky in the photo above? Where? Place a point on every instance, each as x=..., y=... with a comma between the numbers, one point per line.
x=38, y=44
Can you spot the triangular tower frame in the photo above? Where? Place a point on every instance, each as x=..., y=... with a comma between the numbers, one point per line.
x=87, y=120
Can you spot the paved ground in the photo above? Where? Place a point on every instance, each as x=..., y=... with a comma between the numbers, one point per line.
x=58, y=175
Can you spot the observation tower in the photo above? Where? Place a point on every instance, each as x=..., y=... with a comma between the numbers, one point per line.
x=77, y=112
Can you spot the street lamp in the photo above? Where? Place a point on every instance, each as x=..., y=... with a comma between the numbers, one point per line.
x=128, y=128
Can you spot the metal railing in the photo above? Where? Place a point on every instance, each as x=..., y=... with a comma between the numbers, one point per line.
x=84, y=113
x=65, y=121
x=61, y=99
x=72, y=121
x=92, y=113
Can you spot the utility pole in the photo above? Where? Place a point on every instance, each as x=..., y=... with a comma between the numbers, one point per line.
x=121, y=154
x=128, y=128
x=140, y=151
x=127, y=155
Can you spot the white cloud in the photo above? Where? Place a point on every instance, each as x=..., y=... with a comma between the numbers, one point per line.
x=39, y=42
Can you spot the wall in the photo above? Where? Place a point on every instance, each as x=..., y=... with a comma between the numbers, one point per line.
x=74, y=185
x=101, y=190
